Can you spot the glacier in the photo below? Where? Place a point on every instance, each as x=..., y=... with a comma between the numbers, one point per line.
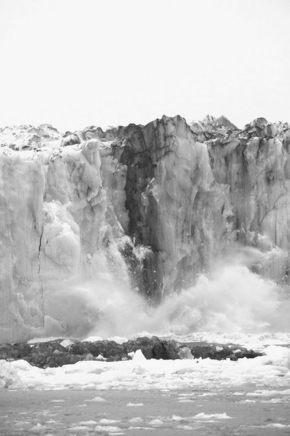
x=94, y=225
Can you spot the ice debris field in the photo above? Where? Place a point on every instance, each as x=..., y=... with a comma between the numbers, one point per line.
x=270, y=371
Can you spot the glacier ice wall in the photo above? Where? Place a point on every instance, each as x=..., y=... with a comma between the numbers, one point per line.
x=136, y=209
x=58, y=229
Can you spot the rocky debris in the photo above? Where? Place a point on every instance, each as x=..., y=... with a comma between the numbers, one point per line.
x=57, y=353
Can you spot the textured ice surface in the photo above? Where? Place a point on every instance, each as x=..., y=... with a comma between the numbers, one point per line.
x=58, y=241
x=91, y=220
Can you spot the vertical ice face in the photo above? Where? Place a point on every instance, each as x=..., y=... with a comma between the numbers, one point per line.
x=87, y=215
x=57, y=231
x=192, y=192
x=22, y=185
x=174, y=205
x=255, y=165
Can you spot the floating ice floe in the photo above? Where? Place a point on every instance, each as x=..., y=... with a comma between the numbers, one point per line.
x=98, y=399
x=105, y=421
x=136, y=420
x=108, y=428
x=156, y=422
x=214, y=416
x=135, y=404
x=276, y=425
x=88, y=423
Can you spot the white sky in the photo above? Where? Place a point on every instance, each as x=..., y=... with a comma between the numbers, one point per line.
x=74, y=63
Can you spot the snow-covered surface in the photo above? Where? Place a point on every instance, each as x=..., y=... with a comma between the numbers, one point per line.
x=271, y=370
x=28, y=137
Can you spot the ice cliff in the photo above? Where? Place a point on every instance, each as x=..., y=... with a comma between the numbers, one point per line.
x=140, y=207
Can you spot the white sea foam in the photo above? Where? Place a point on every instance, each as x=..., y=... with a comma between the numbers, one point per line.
x=231, y=300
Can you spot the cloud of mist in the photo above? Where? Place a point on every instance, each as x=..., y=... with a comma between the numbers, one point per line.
x=231, y=298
